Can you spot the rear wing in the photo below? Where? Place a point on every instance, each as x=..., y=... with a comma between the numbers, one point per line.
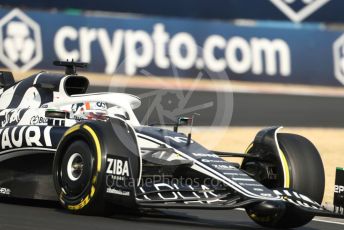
x=6, y=79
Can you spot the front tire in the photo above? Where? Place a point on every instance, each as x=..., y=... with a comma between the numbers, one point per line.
x=75, y=174
x=306, y=174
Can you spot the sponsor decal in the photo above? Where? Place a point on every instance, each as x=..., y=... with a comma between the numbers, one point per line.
x=158, y=47
x=257, y=55
x=188, y=192
x=118, y=178
x=11, y=117
x=5, y=191
x=338, y=189
x=20, y=41
x=76, y=107
x=338, y=198
x=38, y=120
x=117, y=192
x=292, y=9
x=117, y=167
x=25, y=136
x=101, y=105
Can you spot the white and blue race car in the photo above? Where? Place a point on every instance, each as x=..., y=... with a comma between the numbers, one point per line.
x=90, y=153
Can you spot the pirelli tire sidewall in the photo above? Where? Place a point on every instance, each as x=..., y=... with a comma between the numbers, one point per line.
x=91, y=200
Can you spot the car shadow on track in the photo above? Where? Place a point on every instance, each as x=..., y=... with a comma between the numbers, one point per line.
x=193, y=218
x=155, y=219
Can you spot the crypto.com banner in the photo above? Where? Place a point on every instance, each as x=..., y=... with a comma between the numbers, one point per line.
x=161, y=46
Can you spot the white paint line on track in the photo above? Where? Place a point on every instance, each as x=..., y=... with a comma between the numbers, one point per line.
x=328, y=221
x=316, y=219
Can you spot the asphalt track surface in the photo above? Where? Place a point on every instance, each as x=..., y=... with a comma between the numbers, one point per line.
x=24, y=215
x=248, y=109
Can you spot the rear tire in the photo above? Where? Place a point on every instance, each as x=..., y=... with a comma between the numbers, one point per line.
x=306, y=177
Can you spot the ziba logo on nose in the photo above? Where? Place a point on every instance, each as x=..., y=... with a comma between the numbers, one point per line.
x=117, y=167
x=20, y=41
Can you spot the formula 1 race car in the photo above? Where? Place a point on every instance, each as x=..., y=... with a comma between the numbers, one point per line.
x=89, y=152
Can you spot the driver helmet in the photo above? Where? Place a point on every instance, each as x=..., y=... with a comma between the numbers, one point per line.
x=89, y=111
